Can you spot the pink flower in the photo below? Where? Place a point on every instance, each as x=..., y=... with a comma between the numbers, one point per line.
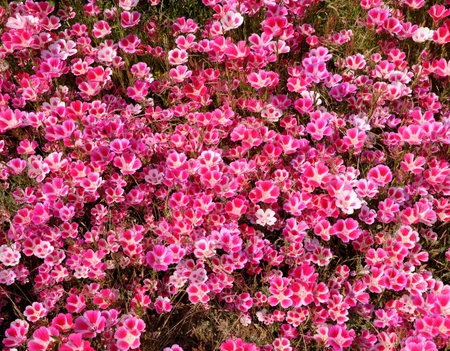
x=339, y=337
x=346, y=230
x=244, y=302
x=129, y=43
x=441, y=35
x=174, y=347
x=180, y=73
x=275, y=25
x=129, y=332
x=160, y=258
x=162, y=305
x=9, y=256
x=438, y=12
x=315, y=175
x=348, y=201
x=128, y=19
x=198, y=293
x=40, y=341
x=53, y=68
x=236, y=207
x=35, y=312
x=16, y=334
x=127, y=4
x=76, y=343
x=265, y=191
x=302, y=293
x=128, y=163
x=10, y=119
x=281, y=294
x=418, y=343
x=90, y=324
x=177, y=57
x=237, y=344
x=204, y=248
x=263, y=79
x=104, y=298
x=139, y=90
x=380, y=175
x=319, y=128
x=101, y=29
x=75, y=303
x=63, y=322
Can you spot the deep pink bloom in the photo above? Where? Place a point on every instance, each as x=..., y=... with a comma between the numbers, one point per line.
x=380, y=175
x=129, y=19
x=419, y=343
x=16, y=334
x=128, y=163
x=76, y=343
x=339, y=337
x=265, y=191
x=438, y=12
x=40, y=340
x=90, y=324
x=160, y=258
x=237, y=344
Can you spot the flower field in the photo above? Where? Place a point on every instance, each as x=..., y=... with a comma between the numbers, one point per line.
x=230, y=175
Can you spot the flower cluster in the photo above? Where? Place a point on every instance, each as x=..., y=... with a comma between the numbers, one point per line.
x=292, y=172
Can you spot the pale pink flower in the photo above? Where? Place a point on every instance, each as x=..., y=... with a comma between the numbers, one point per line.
x=231, y=20
x=128, y=334
x=35, y=312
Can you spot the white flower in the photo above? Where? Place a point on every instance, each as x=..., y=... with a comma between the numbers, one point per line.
x=271, y=113
x=9, y=256
x=128, y=4
x=245, y=320
x=422, y=34
x=266, y=217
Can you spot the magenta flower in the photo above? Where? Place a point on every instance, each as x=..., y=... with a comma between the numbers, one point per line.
x=90, y=324
x=177, y=57
x=339, y=337
x=76, y=343
x=346, y=230
x=380, y=175
x=438, y=12
x=75, y=303
x=237, y=344
x=129, y=19
x=41, y=339
x=160, y=258
x=416, y=343
x=16, y=334
x=263, y=79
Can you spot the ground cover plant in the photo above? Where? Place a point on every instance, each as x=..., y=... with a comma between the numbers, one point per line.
x=225, y=175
